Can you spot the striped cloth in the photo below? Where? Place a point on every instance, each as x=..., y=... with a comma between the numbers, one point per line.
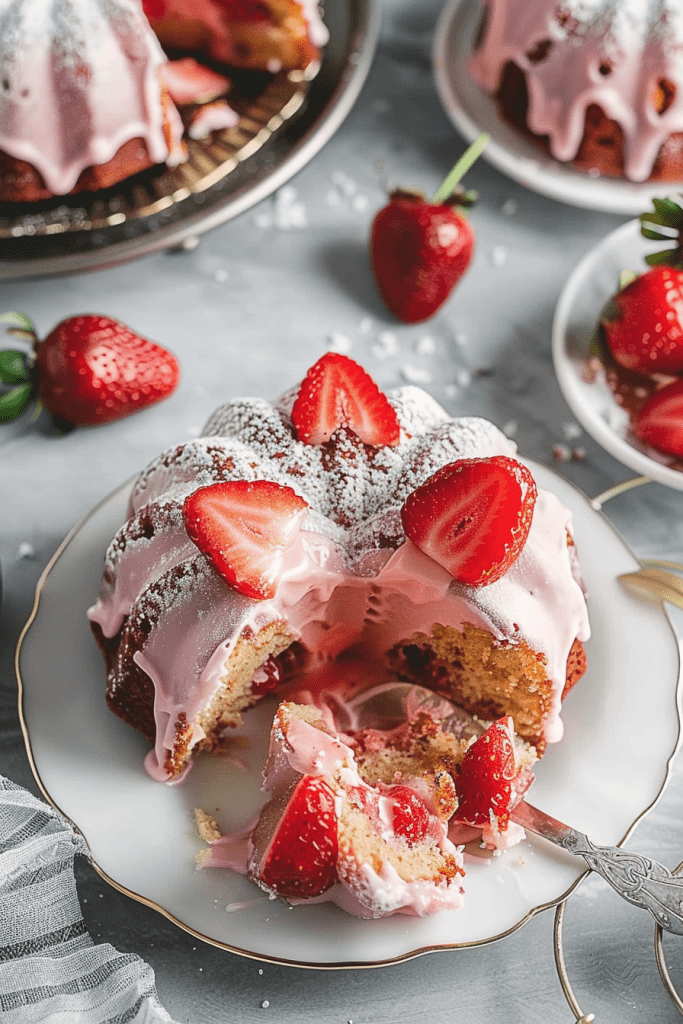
x=51, y=972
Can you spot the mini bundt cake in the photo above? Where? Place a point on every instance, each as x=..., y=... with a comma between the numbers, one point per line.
x=598, y=82
x=86, y=98
x=338, y=527
x=83, y=104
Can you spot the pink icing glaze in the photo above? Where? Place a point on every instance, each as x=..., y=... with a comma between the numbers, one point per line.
x=613, y=55
x=76, y=97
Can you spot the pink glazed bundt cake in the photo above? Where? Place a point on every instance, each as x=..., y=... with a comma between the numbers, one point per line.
x=88, y=93
x=339, y=527
x=598, y=82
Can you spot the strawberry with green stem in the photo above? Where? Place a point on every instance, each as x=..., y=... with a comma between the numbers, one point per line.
x=421, y=249
x=89, y=370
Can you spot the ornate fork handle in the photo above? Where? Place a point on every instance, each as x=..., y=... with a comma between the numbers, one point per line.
x=640, y=880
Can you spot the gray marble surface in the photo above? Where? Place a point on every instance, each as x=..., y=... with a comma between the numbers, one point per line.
x=247, y=312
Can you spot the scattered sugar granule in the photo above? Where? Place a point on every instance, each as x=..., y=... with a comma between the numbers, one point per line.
x=510, y=428
x=265, y=1004
x=338, y=342
x=194, y=431
x=260, y=970
x=386, y=345
x=263, y=220
x=416, y=374
x=460, y=338
x=220, y=275
x=464, y=378
x=425, y=346
x=333, y=198
x=365, y=325
x=499, y=256
x=359, y=203
x=571, y=431
x=509, y=207
x=290, y=212
x=346, y=185
x=452, y=390
x=26, y=550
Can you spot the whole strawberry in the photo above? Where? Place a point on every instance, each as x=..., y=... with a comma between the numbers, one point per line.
x=89, y=370
x=420, y=249
x=646, y=334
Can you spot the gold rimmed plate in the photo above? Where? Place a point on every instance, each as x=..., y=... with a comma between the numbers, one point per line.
x=602, y=777
x=284, y=120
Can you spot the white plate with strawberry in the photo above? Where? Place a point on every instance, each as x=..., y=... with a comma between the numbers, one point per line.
x=601, y=778
x=472, y=112
x=623, y=382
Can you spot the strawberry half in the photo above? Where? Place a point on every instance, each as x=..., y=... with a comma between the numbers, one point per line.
x=659, y=423
x=301, y=859
x=410, y=816
x=473, y=517
x=647, y=334
x=487, y=772
x=337, y=392
x=92, y=369
x=244, y=527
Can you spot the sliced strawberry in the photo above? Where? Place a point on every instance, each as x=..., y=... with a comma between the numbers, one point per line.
x=301, y=859
x=659, y=423
x=473, y=517
x=410, y=816
x=188, y=81
x=337, y=392
x=647, y=334
x=244, y=528
x=92, y=369
x=487, y=771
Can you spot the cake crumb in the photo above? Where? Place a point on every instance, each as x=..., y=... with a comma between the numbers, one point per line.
x=206, y=826
x=26, y=550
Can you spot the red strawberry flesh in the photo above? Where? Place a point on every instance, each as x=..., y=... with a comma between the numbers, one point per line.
x=244, y=527
x=410, y=816
x=659, y=423
x=337, y=392
x=301, y=859
x=487, y=772
x=473, y=517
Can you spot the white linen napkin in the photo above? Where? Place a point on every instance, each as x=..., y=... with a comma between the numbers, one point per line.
x=51, y=972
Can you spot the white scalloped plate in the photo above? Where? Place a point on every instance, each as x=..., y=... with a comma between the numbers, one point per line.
x=590, y=286
x=602, y=778
x=472, y=112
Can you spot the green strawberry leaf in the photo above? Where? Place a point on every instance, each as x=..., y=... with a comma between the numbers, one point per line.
x=13, y=402
x=13, y=367
x=666, y=258
x=19, y=320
